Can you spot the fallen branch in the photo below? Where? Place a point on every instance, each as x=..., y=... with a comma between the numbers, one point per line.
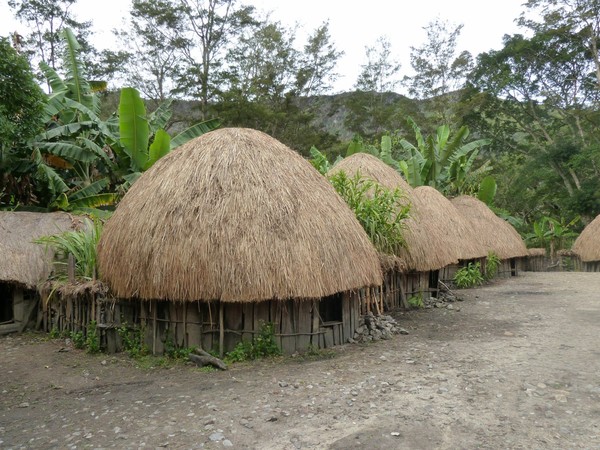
x=202, y=358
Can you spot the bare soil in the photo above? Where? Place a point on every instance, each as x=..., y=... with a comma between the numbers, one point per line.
x=515, y=365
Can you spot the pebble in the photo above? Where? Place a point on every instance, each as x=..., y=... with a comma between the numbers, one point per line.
x=215, y=437
x=24, y=405
x=227, y=443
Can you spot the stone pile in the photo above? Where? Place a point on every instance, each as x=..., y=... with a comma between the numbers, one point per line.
x=373, y=328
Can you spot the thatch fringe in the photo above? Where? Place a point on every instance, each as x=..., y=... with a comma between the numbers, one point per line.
x=587, y=245
x=495, y=234
x=426, y=249
x=536, y=252
x=22, y=261
x=236, y=216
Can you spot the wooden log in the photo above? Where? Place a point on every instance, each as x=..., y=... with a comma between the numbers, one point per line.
x=202, y=358
x=288, y=317
x=304, y=325
x=221, y=331
x=316, y=325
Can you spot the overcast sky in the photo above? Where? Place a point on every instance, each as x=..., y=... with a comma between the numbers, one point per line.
x=353, y=25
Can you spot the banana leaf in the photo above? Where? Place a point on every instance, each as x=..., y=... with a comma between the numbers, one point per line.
x=133, y=126
x=194, y=131
x=159, y=147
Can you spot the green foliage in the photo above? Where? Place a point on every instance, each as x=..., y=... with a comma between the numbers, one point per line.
x=173, y=351
x=469, y=276
x=78, y=339
x=416, y=301
x=81, y=244
x=54, y=333
x=552, y=234
x=491, y=265
x=133, y=340
x=262, y=346
x=92, y=339
x=380, y=211
x=441, y=161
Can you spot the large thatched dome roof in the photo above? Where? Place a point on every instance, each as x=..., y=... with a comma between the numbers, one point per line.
x=495, y=234
x=426, y=249
x=587, y=245
x=234, y=215
x=22, y=261
x=456, y=231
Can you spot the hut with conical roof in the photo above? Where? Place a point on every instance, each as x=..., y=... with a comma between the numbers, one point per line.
x=587, y=247
x=457, y=233
x=496, y=235
x=232, y=230
x=427, y=249
x=25, y=265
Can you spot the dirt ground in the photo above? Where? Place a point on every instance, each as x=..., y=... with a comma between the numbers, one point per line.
x=514, y=365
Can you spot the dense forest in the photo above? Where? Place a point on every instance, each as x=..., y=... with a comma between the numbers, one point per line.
x=520, y=122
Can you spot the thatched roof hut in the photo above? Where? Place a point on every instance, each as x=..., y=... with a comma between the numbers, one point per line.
x=495, y=234
x=236, y=216
x=426, y=248
x=536, y=252
x=587, y=245
x=457, y=232
x=24, y=262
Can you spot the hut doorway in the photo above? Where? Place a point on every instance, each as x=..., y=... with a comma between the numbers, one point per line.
x=6, y=304
x=434, y=278
x=330, y=308
x=513, y=267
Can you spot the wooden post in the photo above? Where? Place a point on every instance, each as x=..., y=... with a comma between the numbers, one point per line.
x=221, y=330
x=153, y=306
x=185, y=335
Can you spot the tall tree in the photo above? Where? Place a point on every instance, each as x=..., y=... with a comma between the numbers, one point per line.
x=379, y=74
x=153, y=41
x=317, y=63
x=439, y=68
x=21, y=110
x=208, y=27
x=46, y=19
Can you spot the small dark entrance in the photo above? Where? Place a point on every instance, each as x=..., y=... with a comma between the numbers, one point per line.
x=513, y=267
x=434, y=278
x=6, y=304
x=330, y=308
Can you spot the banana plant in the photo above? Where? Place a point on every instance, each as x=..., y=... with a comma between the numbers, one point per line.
x=439, y=160
x=142, y=138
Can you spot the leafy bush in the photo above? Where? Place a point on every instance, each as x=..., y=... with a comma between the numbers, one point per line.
x=133, y=340
x=491, y=265
x=78, y=339
x=416, y=301
x=380, y=211
x=81, y=244
x=92, y=340
x=262, y=346
x=468, y=276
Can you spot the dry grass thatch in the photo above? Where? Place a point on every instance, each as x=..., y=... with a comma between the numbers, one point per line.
x=536, y=251
x=587, y=245
x=426, y=249
x=23, y=261
x=495, y=234
x=373, y=168
x=236, y=216
x=449, y=224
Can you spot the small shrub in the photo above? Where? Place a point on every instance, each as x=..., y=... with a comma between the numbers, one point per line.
x=55, y=333
x=92, y=340
x=469, y=276
x=416, y=301
x=491, y=265
x=133, y=340
x=78, y=339
x=172, y=351
x=262, y=346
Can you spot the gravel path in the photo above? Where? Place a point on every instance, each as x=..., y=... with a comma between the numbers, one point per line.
x=515, y=365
